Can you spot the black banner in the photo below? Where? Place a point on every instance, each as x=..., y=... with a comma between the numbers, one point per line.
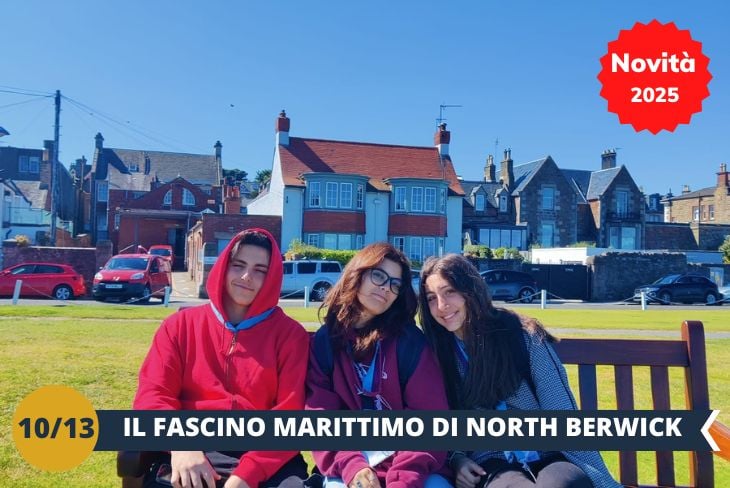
x=540, y=430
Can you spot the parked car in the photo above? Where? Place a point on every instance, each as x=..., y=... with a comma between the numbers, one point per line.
x=59, y=281
x=686, y=288
x=725, y=292
x=318, y=275
x=128, y=276
x=163, y=250
x=510, y=285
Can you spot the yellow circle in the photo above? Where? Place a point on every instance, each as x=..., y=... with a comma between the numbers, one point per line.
x=55, y=428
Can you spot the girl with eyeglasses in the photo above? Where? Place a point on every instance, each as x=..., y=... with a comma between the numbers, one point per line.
x=367, y=333
x=495, y=359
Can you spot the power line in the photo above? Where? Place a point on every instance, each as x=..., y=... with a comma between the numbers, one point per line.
x=35, y=99
x=128, y=125
x=18, y=91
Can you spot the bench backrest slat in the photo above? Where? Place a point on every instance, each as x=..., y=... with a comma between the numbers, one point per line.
x=588, y=387
x=628, y=469
x=660, y=399
x=697, y=397
x=622, y=352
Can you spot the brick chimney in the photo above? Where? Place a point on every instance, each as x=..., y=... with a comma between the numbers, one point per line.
x=45, y=168
x=231, y=199
x=608, y=159
x=506, y=172
x=282, y=129
x=722, y=177
x=441, y=139
x=489, y=170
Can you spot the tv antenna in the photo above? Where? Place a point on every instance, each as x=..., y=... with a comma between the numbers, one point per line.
x=443, y=106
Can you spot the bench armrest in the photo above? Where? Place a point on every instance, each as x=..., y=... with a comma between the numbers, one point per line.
x=721, y=434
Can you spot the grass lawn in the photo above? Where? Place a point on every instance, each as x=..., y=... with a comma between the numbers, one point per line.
x=98, y=350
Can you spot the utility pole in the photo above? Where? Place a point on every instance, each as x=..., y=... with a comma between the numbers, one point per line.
x=54, y=167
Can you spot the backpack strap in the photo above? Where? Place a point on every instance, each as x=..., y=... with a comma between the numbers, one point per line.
x=409, y=347
x=408, y=350
x=323, y=350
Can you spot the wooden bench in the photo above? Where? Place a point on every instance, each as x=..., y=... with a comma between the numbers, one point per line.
x=623, y=354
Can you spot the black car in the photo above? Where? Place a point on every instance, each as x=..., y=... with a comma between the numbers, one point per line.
x=510, y=285
x=687, y=288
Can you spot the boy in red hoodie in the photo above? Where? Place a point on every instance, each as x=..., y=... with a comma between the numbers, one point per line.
x=238, y=352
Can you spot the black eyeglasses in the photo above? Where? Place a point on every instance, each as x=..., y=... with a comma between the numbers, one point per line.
x=380, y=277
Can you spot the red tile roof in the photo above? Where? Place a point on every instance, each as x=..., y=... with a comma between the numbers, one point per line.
x=377, y=161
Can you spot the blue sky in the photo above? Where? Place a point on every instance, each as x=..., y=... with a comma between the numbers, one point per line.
x=179, y=75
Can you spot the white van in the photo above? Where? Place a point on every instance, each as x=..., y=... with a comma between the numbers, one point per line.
x=318, y=276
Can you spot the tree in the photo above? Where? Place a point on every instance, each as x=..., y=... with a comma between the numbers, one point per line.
x=725, y=249
x=263, y=176
x=236, y=174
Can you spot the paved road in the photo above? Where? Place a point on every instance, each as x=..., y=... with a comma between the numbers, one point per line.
x=185, y=293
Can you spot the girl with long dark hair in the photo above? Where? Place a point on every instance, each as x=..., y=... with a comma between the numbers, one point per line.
x=492, y=358
x=358, y=362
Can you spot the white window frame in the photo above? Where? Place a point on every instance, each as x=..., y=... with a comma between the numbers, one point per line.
x=24, y=164
x=547, y=198
x=133, y=168
x=415, y=251
x=399, y=199
x=443, y=201
x=480, y=201
x=188, y=198
x=331, y=195
x=358, y=241
x=345, y=195
x=102, y=191
x=315, y=194
x=360, y=197
x=329, y=241
x=167, y=199
x=711, y=210
x=429, y=247
x=34, y=164
x=429, y=199
x=417, y=199
x=614, y=237
x=625, y=237
x=344, y=241
x=543, y=235
x=313, y=240
x=696, y=213
x=622, y=203
x=399, y=243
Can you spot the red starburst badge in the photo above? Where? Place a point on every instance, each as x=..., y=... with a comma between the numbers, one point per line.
x=654, y=76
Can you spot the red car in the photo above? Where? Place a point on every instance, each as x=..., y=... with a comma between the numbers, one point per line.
x=59, y=281
x=128, y=276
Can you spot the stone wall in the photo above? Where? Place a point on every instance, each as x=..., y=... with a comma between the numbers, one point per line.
x=710, y=236
x=85, y=260
x=674, y=237
x=616, y=274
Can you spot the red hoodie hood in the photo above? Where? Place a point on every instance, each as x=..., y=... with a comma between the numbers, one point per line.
x=267, y=297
